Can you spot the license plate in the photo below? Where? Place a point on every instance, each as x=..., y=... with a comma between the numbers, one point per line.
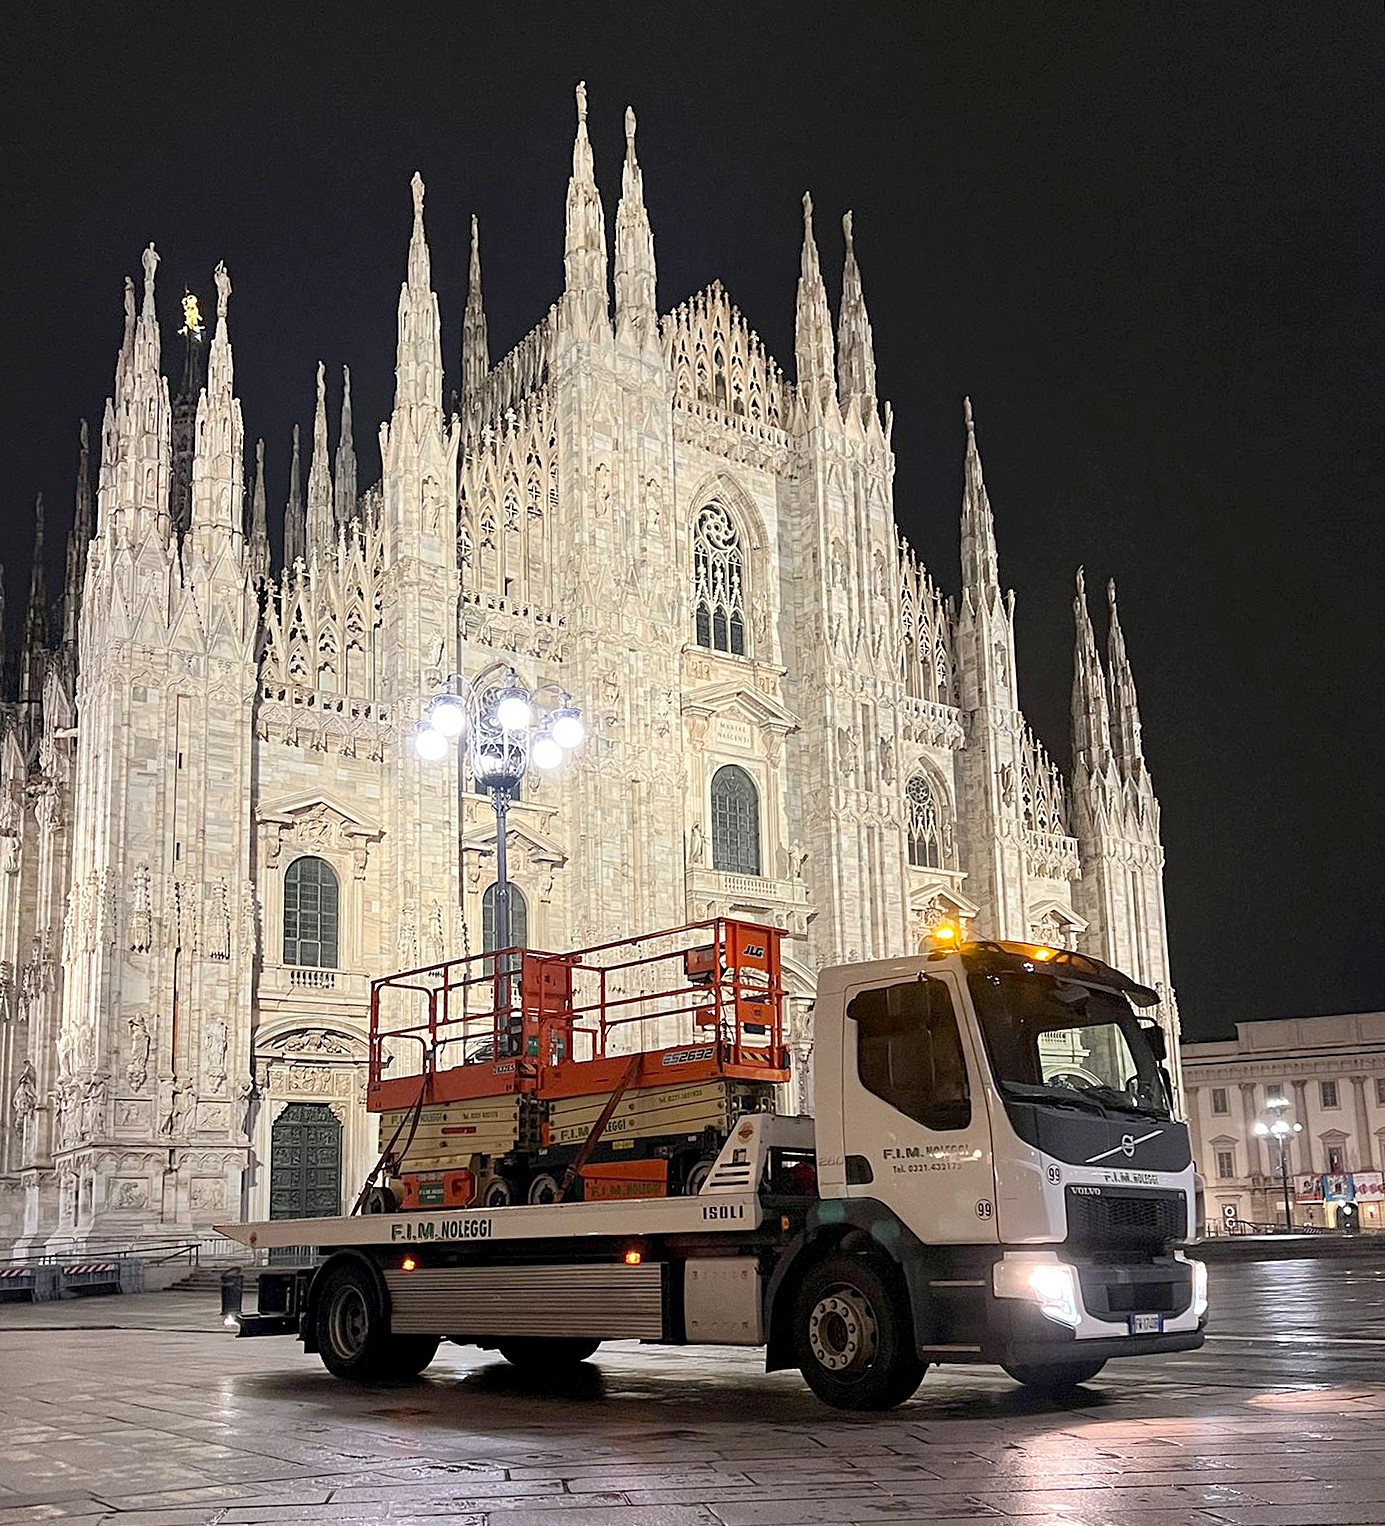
x=1146, y=1324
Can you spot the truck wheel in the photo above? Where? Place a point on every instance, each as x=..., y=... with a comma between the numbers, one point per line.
x=543, y=1190
x=1053, y=1378
x=854, y=1337
x=697, y=1177
x=497, y=1193
x=535, y=1354
x=353, y=1334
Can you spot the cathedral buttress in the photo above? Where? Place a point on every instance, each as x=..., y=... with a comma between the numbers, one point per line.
x=839, y=581
x=419, y=629
x=1116, y=816
x=991, y=762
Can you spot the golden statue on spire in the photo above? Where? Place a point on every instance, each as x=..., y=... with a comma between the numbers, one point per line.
x=192, y=316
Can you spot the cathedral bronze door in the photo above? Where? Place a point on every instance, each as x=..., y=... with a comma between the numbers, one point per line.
x=305, y=1163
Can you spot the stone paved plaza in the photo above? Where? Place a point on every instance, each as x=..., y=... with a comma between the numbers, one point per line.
x=144, y=1410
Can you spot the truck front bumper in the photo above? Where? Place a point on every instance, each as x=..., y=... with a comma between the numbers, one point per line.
x=1049, y=1308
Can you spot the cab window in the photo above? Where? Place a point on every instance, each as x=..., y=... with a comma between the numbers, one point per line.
x=909, y=1052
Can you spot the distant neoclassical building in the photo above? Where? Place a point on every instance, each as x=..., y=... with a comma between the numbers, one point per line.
x=215, y=829
x=1326, y=1074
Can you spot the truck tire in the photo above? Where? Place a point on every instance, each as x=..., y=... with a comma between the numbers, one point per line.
x=537, y=1355
x=1053, y=1378
x=543, y=1190
x=853, y=1336
x=497, y=1193
x=353, y=1335
x=697, y=1177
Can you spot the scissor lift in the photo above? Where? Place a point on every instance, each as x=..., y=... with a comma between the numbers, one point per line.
x=508, y=1075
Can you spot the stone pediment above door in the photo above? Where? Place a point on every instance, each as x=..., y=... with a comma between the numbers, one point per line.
x=520, y=837
x=735, y=716
x=317, y=823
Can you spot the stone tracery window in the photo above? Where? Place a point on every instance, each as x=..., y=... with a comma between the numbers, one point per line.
x=735, y=821
x=311, y=909
x=924, y=823
x=718, y=582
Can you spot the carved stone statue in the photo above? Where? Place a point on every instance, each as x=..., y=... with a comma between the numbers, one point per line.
x=137, y=1068
x=214, y=1043
x=177, y=1106
x=223, y=288
x=25, y=1099
x=93, y=1107
x=697, y=847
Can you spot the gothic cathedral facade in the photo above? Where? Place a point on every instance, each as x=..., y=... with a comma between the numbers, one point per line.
x=214, y=829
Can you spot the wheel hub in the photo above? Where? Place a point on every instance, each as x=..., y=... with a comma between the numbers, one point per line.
x=842, y=1331
x=350, y=1321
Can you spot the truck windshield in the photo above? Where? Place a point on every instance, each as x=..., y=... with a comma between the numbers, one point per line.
x=1051, y=1039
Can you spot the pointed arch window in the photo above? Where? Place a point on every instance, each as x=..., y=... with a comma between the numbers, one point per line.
x=519, y=919
x=718, y=582
x=735, y=821
x=311, y=906
x=924, y=823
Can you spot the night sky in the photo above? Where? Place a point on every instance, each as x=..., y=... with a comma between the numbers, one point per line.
x=1146, y=240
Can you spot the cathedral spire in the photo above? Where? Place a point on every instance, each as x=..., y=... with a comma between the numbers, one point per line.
x=125, y=359
x=585, y=305
x=77, y=543
x=136, y=450
x=259, y=523
x=636, y=314
x=855, y=346
x=813, y=329
x=476, y=350
x=295, y=524
x=418, y=357
x=1091, y=716
x=322, y=525
x=345, y=498
x=1125, y=709
x=980, y=569
x=35, y=618
x=218, y=464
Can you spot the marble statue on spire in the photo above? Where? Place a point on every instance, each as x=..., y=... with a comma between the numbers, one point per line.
x=637, y=318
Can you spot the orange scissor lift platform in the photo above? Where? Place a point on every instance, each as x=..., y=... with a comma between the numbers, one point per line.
x=549, y=1026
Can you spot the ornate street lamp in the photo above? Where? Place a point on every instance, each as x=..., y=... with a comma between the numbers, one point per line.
x=1279, y=1128
x=505, y=729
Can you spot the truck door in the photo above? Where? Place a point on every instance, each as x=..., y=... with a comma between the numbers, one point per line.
x=915, y=1128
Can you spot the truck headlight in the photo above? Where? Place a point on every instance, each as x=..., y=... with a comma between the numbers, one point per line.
x=1199, y=1288
x=1049, y=1284
x=1055, y=1292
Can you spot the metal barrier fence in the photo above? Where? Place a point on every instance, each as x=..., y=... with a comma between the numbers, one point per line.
x=1222, y=1229
x=73, y=1266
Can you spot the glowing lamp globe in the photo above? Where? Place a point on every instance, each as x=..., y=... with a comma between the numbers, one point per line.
x=567, y=729
x=430, y=743
x=512, y=711
x=448, y=715
x=545, y=751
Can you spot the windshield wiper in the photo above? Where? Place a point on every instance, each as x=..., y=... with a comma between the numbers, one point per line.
x=1055, y=1096
x=1110, y=1097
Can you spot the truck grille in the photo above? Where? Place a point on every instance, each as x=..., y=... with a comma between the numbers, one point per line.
x=1132, y=1220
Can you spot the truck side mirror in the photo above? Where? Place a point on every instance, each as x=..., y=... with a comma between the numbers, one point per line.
x=1158, y=1044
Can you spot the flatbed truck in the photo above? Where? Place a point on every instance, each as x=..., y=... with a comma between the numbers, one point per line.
x=994, y=1174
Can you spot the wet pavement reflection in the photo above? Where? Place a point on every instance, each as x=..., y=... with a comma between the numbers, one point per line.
x=144, y=1410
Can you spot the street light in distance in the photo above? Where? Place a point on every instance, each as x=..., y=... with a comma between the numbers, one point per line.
x=1280, y=1129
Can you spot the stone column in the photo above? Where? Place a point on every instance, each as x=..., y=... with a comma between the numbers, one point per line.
x=1362, y=1155
x=1254, y=1157
x=1305, y=1144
